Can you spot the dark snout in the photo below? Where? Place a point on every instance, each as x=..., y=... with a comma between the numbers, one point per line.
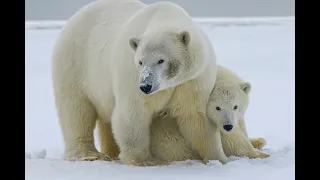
x=146, y=88
x=228, y=127
x=148, y=81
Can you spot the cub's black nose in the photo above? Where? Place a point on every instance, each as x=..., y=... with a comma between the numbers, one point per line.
x=146, y=88
x=227, y=127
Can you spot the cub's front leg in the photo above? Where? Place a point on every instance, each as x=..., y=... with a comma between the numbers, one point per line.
x=237, y=144
x=131, y=128
x=204, y=136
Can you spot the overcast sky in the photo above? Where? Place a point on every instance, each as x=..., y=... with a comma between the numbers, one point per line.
x=63, y=9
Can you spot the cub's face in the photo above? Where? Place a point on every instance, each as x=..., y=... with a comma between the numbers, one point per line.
x=227, y=104
x=161, y=60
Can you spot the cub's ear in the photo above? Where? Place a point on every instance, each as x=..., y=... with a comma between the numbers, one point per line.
x=184, y=37
x=246, y=87
x=134, y=42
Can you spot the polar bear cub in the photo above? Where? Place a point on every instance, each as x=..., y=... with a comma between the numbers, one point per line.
x=227, y=105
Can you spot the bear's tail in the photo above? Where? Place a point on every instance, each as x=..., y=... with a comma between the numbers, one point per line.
x=108, y=144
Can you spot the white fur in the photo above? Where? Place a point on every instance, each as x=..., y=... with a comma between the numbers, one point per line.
x=227, y=94
x=167, y=142
x=95, y=75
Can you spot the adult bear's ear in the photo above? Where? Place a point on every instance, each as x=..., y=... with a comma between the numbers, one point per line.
x=134, y=42
x=184, y=37
x=245, y=87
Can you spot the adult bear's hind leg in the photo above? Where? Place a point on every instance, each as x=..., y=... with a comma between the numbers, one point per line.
x=77, y=121
x=108, y=144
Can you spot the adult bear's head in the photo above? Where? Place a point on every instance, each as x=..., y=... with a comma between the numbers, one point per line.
x=165, y=59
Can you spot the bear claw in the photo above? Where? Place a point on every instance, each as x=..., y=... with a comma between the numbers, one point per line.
x=258, y=143
x=150, y=161
x=90, y=156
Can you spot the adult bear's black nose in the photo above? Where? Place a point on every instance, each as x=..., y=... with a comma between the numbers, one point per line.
x=227, y=127
x=146, y=88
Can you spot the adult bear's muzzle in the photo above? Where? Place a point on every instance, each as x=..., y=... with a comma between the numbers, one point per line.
x=149, y=80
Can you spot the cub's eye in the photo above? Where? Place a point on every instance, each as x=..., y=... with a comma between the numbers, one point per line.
x=235, y=107
x=218, y=108
x=140, y=63
x=160, y=61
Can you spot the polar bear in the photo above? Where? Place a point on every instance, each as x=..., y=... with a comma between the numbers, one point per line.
x=226, y=107
x=121, y=62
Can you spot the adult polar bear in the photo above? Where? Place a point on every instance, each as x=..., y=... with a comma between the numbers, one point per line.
x=105, y=50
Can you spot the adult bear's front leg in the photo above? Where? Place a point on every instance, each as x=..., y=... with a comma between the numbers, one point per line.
x=131, y=128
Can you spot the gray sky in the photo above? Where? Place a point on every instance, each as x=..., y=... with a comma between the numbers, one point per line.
x=63, y=9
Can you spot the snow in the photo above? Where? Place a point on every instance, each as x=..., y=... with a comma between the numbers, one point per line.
x=239, y=21
x=261, y=53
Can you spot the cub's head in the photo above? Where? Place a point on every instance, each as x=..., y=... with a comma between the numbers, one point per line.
x=227, y=104
x=163, y=59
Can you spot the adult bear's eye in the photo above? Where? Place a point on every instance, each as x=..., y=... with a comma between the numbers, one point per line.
x=140, y=63
x=218, y=108
x=235, y=107
x=160, y=61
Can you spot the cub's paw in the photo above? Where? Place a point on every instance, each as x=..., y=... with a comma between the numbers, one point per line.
x=262, y=155
x=88, y=156
x=258, y=143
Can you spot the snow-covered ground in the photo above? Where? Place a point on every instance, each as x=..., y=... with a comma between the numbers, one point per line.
x=262, y=53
